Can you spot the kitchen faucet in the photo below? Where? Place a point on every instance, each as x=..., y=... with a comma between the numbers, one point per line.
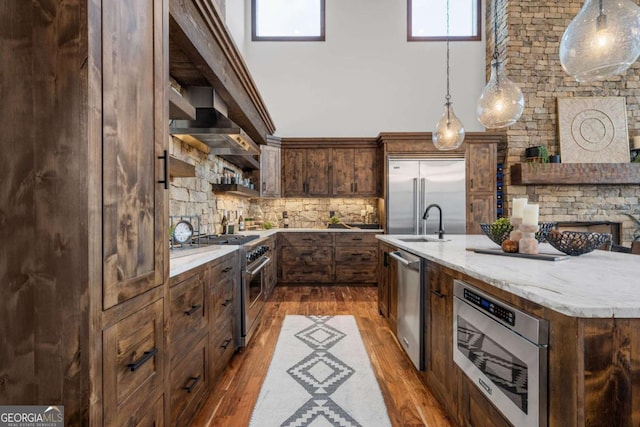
x=426, y=215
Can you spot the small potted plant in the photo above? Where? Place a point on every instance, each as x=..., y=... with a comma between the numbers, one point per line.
x=537, y=154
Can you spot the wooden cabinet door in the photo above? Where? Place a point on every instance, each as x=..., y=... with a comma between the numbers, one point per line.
x=365, y=173
x=481, y=163
x=133, y=87
x=343, y=171
x=270, y=171
x=440, y=367
x=481, y=207
x=383, y=281
x=393, y=294
x=294, y=172
x=481, y=167
x=317, y=180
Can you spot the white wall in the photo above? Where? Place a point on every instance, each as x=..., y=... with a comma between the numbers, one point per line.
x=234, y=18
x=365, y=78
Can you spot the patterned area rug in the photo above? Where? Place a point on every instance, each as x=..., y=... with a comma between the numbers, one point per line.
x=320, y=375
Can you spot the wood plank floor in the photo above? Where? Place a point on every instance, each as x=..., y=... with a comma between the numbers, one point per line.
x=408, y=402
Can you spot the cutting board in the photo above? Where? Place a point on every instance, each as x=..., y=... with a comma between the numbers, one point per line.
x=542, y=256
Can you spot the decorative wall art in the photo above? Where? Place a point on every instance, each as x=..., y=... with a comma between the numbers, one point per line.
x=593, y=130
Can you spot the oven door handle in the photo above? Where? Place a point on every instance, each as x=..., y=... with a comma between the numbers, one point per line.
x=265, y=260
x=413, y=265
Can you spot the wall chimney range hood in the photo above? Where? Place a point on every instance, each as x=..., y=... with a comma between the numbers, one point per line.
x=216, y=131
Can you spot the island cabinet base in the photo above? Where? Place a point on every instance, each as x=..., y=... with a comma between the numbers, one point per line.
x=593, y=363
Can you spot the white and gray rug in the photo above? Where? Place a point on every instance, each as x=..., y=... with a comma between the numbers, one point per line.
x=320, y=375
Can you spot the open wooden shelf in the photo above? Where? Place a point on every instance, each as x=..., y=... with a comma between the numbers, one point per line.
x=179, y=108
x=575, y=173
x=181, y=169
x=236, y=189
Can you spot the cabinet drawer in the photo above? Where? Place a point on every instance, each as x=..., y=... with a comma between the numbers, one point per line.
x=352, y=255
x=223, y=346
x=133, y=352
x=222, y=281
x=356, y=239
x=189, y=383
x=188, y=305
x=307, y=273
x=356, y=274
x=306, y=239
x=307, y=256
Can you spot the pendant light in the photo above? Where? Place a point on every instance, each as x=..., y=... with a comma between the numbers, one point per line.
x=501, y=102
x=602, y=40
x=449, y=132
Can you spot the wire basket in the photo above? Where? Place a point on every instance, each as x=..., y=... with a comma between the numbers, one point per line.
x=500, y=234
x=577, y=242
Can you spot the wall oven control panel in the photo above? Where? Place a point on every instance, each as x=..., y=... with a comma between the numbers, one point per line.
x=497, y=310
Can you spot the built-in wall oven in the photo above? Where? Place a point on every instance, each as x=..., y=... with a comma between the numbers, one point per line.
x=503, y=351
x=254, y=257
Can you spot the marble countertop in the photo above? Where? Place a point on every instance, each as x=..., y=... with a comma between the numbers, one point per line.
x=598, y=284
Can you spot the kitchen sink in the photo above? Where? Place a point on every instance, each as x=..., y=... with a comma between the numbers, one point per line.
x=418, y=239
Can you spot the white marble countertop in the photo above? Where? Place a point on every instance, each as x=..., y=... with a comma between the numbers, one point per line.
x=598, y=284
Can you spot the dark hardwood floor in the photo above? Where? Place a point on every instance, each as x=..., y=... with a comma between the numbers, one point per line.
x=408, y=402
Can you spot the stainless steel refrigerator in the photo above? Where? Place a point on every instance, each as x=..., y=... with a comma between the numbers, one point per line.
x=414, y=184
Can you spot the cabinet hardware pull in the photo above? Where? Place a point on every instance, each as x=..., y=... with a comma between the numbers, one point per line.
x=471, y=207
x=264, y=186
x=385, y=259
x=226, y=270
x=194, y=308
x=356, y=238
x=194, y=381
x=144, y=359
x=306, y=254
x=438, y=293
x=226, y=343
x=226, y=302
x=306, y=238
x=355, y=185
x=165, y=159
x=471, y=183
x=352, y=187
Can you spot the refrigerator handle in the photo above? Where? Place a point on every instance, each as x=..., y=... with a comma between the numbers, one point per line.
x=423, y=195
x=416, y=207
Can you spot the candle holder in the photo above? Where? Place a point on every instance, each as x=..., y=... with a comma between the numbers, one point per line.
x=528, y=244
x=515, y=234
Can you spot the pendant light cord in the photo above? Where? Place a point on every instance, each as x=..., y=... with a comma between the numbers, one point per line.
x=448, y=97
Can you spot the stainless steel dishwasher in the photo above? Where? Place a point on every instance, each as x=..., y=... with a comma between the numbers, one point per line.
x=410, y=305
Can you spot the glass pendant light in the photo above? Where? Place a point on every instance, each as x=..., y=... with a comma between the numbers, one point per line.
x=449, y=132
x=602, y=40
x=501, y=102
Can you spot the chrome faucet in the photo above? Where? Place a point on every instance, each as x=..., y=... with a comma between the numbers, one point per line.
x=426, y=215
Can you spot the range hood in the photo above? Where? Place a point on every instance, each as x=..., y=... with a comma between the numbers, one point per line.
x=212, y=128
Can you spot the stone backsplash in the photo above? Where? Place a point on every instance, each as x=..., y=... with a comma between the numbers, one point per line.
x=194, y=197
x=530, y=33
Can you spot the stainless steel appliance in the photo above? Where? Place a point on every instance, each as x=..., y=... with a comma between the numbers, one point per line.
x=414, y=184
x=503, y=351
x=410, y=305
x=254, y=257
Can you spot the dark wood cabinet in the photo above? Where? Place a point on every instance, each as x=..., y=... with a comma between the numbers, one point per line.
x=269, y=176
x=384, y=278
x=354, y=172
x=476, y=409
x=271, y=270
x=189, y=382
x=481, y=164
x=305, y=172
x=440, y=370
x=322, y=257
x=329, y=167
x=134, y=226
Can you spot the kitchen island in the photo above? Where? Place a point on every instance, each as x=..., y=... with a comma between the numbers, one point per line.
x=591, y=304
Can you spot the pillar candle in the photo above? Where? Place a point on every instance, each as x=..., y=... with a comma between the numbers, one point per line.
x=530, y=215
x=636, y=142
x=517, y=208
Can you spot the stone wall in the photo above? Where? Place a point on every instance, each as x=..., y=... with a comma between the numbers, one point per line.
x=194, y=196
x=533, y=31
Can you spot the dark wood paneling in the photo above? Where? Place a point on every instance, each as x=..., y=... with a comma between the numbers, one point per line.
x=294, y=172
x=181, y=169
x=343, y=163
x=366, y=172
x=189, y=384
x=43, y=261
x=318, y=173
x=481, y=164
